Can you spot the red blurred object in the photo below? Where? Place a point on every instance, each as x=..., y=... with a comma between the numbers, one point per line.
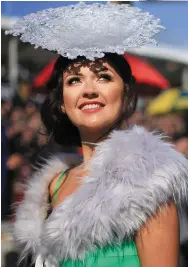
x=148, y=78
x=146, y=73
x=44, y=75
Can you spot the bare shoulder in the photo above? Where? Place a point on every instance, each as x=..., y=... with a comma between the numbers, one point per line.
x=167, y=215
x=70, y=176
x=158, y=240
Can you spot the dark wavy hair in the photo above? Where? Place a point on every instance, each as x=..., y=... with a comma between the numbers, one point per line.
x=57, y=123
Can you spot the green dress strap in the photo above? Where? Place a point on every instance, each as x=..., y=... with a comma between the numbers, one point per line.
x=58, y=184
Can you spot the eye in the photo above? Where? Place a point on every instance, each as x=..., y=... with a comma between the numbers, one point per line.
x=73, y=80
x=105, y=77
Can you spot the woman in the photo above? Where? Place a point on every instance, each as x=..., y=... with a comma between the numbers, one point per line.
x=125, y=204
x=118, y=205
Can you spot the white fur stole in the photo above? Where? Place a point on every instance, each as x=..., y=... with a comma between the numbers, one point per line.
x=131, y=175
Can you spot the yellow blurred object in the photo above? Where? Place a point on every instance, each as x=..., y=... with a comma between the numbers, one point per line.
x=168, y=101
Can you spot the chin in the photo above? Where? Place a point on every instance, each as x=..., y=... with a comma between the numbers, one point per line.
x=95, y=123
x=92, y=126
x=96, y=126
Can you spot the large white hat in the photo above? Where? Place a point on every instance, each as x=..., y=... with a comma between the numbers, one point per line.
x=88, y=30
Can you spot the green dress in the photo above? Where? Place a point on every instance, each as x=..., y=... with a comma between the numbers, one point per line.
x=124, y=255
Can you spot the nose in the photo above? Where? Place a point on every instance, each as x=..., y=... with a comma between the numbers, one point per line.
x=90, y=92
x=90, y=95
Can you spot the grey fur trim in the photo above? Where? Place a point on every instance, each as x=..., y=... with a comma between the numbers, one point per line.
x=131, y=175
x=32, y=211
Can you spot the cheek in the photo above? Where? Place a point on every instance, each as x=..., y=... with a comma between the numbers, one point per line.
x=115, y=96
x=69, y=104
x=69, y=100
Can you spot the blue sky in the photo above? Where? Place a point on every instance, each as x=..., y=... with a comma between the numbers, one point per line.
x=173, y=15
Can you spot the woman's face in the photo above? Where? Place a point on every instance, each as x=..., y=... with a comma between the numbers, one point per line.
x=92, y=95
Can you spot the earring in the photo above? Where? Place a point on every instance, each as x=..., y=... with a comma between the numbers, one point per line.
x=63, y=109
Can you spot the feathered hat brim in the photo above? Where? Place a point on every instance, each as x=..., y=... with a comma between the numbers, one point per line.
x=88, y=30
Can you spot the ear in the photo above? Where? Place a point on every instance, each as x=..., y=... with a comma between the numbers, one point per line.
x=63, y=108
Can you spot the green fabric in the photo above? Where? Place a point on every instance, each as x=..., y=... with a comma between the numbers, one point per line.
x=58, y=184
x=124, y=255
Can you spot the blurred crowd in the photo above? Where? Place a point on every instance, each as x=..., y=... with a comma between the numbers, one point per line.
x=173, y=125
x=22, y=137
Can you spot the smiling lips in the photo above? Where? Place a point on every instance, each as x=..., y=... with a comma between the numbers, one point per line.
x=91, y=107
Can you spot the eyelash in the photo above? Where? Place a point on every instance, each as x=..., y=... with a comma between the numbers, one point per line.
x=77, y=79
x=106, y=76
x=71, y=80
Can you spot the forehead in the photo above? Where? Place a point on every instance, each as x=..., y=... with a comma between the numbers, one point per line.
x=95, y=66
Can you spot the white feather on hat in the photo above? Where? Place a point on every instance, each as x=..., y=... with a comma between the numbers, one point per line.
x=88, y=30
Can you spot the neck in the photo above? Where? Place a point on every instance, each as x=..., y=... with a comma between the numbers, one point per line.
x=90, y=140
x=87, y=152
x=89, y=143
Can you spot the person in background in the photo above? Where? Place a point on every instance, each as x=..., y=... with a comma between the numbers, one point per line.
x=22, y=94
x=182, y=146
x=3, y=171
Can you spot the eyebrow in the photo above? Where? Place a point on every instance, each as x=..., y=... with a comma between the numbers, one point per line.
x=103, y=68
x=72, y=72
